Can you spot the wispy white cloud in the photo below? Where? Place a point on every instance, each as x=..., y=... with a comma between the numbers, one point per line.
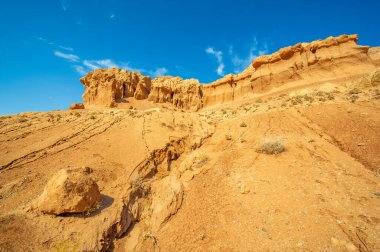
x=102, y=63
x=80, y=69
x=90, y=65
x=65, y=4
x=66, y=48
x=159, y=72
x=41, y=39
x=69, y=57
x=46, y=41
x=219, y=58
x=241, y=63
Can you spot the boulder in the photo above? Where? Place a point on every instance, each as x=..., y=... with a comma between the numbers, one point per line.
x=77, y=106
x=69, y=191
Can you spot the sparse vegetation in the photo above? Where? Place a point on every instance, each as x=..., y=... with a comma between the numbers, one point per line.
x=296, y=100
x=201, y=159
x=330, y=96
x=272, y=146
x=354, y=91
x=259, y=100
x=243, y=124
x=228, y=137
x=23, y=119
x=353, y=97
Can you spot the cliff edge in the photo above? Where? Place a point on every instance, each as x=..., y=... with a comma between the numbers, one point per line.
x=334, y=59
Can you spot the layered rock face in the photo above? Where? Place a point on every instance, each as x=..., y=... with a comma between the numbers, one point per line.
x=107, y=87
x=185, y=94
x=334, y=59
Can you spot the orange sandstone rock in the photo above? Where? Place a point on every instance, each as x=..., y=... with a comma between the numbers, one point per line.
x=107, y=87
x=185, y=94
x=77, y=106
x=69, y=191
x=333, y=59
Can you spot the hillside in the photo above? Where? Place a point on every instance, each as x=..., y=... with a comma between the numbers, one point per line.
x=282, y=157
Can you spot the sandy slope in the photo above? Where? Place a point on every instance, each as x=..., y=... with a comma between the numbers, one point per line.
x=194, y=181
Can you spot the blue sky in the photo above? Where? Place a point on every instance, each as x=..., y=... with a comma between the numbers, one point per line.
x=47, y=45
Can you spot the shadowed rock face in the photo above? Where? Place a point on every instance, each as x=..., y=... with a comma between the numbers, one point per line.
x=333, y=59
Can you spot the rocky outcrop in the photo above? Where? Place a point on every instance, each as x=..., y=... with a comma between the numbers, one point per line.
x=374, y=54
x=108, y=87
x=334, y=59
x=76, y=106
x=185, y=94
x=69, y=191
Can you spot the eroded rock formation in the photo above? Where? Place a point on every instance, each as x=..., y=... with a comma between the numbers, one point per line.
x=107, y=87
x=76, y=106
x=334, y=59
x=181, y=93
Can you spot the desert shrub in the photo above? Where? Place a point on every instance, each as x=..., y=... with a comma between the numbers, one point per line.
x=353, y=97
x=201, y=159
x=182, y=126
x=92, y=117
x=77, y=114
x=320, y=93
x=308, y=98
x=283, y=104
x=272, y=146
x=259, y=100
x=243, y=124
x=330, y=96
x=23, y=119
x=224, y=111
x=296, y=100
x=354, y=91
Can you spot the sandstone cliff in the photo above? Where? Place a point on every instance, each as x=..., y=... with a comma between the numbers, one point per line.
x=107, y=87
x=185, y=94
x=334, y=59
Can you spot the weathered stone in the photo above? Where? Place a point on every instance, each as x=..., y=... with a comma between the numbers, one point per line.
x=69, y=191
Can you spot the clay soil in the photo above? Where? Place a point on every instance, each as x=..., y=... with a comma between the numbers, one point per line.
x=195, y=181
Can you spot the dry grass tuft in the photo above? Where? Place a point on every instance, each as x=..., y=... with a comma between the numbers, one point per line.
x=201, y=159
x=272, y=146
